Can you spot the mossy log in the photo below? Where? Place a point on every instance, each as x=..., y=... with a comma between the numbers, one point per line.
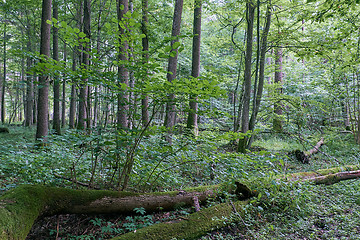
x=20, y=207
x=193, y=226
x=336, y=177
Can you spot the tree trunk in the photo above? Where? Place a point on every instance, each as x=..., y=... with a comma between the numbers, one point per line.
x=43, y=92
x=278, y=79
x=63, y=103
x=56, y=116
x=29, y=93
x=260, y=88
x=172, y=65
x=123, y=74
x=250, y=10
x=145, y=48
x=73, y=96
x=83, y=96
x=195, y=69
x=2, y=100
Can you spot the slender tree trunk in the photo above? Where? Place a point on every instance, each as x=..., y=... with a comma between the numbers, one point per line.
x=29, y=91
x=4, y=76
x=73, y=96
x=43, y=94
x=56, y=116
x=145, y=48
x=82, y=114
x=195, y=69
x=172, y=65
x=250, y=10
x=259, y=92
x=278, y=79
x=63, y=103
x=123, y=74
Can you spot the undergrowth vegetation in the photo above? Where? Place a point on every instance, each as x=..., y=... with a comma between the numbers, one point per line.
x=281, y=210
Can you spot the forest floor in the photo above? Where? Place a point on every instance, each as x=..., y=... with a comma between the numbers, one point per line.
x=303, y=211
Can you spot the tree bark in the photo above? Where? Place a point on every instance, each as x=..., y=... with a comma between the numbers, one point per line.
x=145, y=48
x=278, y=79
x=83, y=96
x=260, y=88
x=192, y=122
x=123, y=73
x=170, y=116
x=250, y=10
x=73, y=96
x=43, y=92
x=3, y=84
x=56, y=113
x=63, y=103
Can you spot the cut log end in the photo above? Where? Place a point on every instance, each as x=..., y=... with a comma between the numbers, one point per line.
x=4, y=130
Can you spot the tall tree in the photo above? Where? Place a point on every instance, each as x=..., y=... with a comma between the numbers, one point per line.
x=2, y=108
x=43, y=92
x=56, y=113
x=278, y=80
x=170, y=117
x=195, y=69
x=83, y=108
x=123, y=73
x=260, y=87
x=145, y=48
x=250, y=10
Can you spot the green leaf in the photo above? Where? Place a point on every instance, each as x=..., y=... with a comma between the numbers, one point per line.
x=82, y=34
x=168, y=49
x=48, y=22
x=176, y=45
x=173, y=53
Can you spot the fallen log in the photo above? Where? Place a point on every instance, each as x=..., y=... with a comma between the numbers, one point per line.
x=199, y=223
x=4, y=130
x=303, y=156
x=20, y=207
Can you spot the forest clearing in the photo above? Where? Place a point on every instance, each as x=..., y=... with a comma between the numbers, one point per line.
x=179, y=119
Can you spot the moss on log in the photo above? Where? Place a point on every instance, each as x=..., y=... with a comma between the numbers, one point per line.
x=20, y=207
x=193, y=227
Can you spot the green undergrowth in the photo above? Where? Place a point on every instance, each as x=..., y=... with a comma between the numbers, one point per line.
x=303, y=212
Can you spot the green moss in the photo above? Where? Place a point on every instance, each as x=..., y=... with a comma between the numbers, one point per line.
x=193, y=227
x=20, y=207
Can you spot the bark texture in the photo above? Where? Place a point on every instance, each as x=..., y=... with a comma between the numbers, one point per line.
x=192, y=122
x=172, y=64
x=250, y=13
x=56, y=117
x=43, y=92
x=123, y=73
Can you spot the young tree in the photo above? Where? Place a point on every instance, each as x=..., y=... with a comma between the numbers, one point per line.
x=172, y=63
x=250, y=10
x=43, y=93
x=56, y=116
x=195, y=69
x=278, y=79
x=145, y=48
